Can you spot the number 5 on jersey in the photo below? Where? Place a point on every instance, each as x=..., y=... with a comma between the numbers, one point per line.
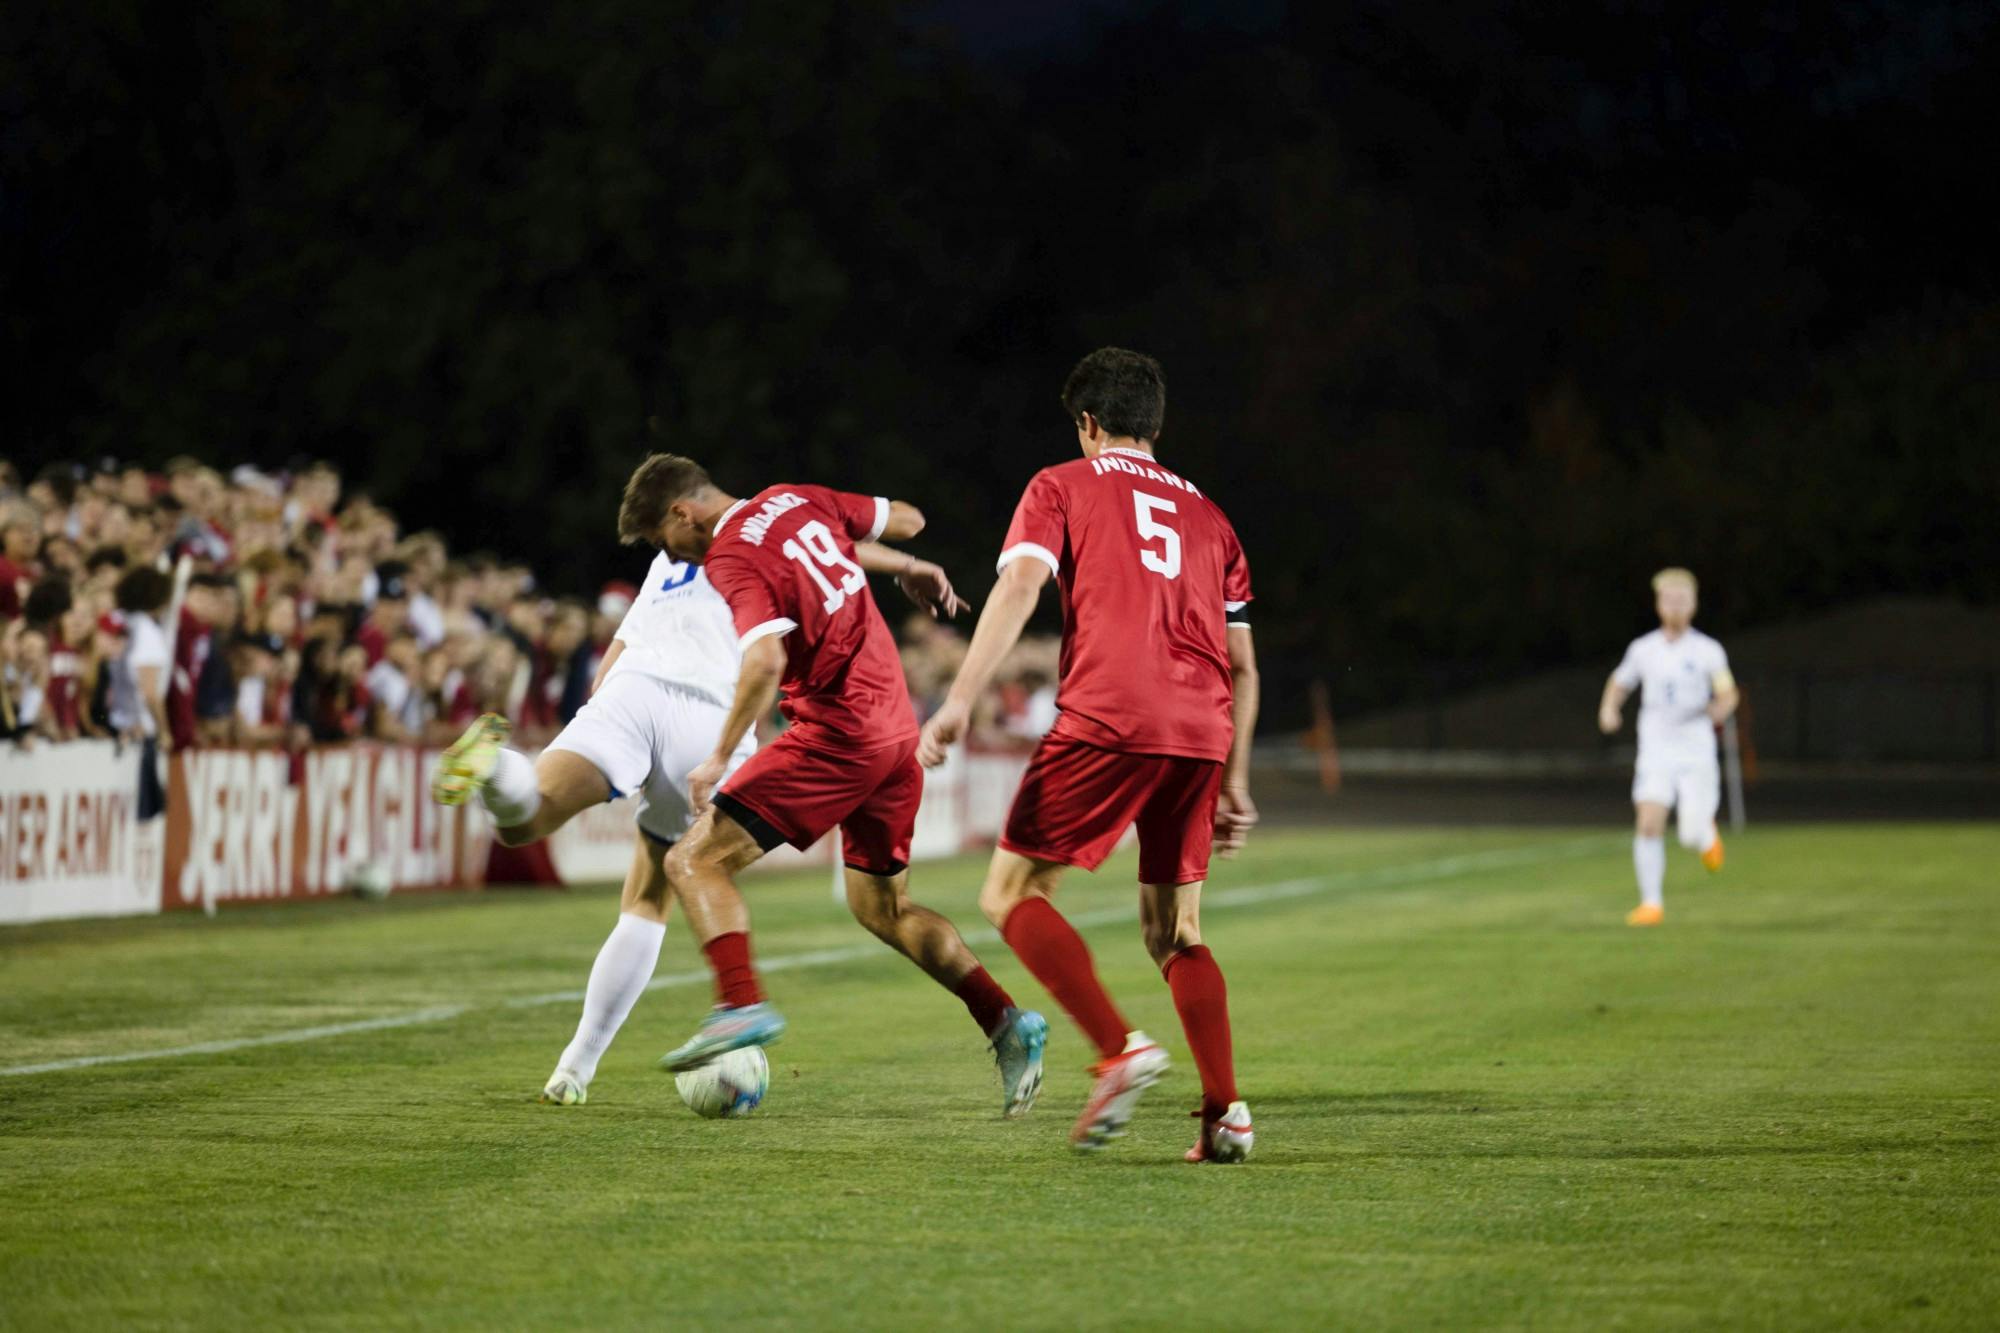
x=819, y=550
x=1165, y=562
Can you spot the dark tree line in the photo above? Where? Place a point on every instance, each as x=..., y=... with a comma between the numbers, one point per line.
x=1471, y=316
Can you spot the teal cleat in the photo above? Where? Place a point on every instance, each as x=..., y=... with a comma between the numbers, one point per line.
x=726, y=1030
x=1017, y=1049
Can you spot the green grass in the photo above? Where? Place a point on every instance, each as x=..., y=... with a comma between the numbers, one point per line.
x=1480, y=1100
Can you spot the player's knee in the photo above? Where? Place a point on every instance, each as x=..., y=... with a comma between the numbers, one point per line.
x=684, y=860
x=1164, y=939
x=1693, y=836
x=998, y=899
x=876, y=911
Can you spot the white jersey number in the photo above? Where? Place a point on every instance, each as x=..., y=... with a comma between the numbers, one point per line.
x=819, y=550
x=1166, y=562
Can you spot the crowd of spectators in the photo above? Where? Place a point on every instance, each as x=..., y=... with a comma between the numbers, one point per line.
x=310, y=617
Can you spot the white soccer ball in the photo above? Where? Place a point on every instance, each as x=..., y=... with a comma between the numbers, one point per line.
x=369, y=879
x=730, y=1085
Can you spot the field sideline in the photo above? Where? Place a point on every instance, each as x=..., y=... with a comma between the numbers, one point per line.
x=1480, y=1100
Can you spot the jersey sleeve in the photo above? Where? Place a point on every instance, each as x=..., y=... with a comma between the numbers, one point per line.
x=1628, y=672
x=753, y=606
x=1719, y=676
x=862, y=517
x=1038, y=526
x=1236, y=594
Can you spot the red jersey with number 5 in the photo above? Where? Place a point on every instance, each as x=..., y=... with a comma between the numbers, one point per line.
x=1151, y=574
x=784, y=561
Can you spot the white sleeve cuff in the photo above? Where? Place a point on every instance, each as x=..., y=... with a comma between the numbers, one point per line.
x=1234, y=606
x=1019, y=549
x=782, y=625
x=881, y=519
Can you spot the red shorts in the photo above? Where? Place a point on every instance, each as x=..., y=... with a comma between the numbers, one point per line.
x=794, y=791
x=1077, y=801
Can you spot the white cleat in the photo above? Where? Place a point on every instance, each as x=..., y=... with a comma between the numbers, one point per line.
x=565, y=1089
x=1227, y=1138
x=1115, y=1095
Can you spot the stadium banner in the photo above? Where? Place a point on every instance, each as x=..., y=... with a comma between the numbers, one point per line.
x=265, y=824
x=965, y=801
x=70, y=841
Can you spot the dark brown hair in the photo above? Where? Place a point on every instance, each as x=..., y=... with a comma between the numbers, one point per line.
x=655, y=485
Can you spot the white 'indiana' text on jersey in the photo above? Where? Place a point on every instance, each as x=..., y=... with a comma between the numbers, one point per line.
x=679, y=630
x=1676, y=680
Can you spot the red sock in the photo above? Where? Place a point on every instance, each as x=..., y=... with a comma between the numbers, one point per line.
x=1202, y=999
x=735, y=980
x=1050, y=948
x=984, y=998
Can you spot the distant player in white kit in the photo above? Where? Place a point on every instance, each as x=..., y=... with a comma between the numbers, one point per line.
x=1686, y=693
x=658, y=703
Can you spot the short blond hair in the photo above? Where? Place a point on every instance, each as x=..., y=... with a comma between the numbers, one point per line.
x=1674, y=574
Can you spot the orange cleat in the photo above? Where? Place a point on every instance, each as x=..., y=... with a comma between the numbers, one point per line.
x=1712, y=858
x=1645, y=914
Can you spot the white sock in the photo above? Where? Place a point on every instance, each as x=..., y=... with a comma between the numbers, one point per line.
x=511, y=794
x=1649, y=859
x=619, y=976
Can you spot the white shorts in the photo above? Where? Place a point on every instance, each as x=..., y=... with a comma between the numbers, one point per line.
x=645, y=736
x=1691, y=787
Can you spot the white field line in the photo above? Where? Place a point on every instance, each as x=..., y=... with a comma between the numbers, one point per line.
x=1248, y=895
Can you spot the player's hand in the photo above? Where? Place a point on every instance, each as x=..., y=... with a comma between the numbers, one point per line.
x=703, y=780
x=930, y=587
x=1609, y=720
x=1235, y=815
x=941, y=732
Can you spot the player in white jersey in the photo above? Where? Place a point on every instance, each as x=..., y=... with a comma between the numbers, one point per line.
x=1686, y=692
x=659, y=701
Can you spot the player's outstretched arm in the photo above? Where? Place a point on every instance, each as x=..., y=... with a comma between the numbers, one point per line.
x=922, y=582
x=1610, y=707
x=905, y=521
x=756, y=690
x=1235, y=812
x=604, y=667
x=1015, y=593
x=1722, y=686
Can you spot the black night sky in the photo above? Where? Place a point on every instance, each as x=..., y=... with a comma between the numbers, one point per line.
x=1472, y=314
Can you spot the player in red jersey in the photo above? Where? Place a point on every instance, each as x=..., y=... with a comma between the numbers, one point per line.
x=792, y=563
x=1158, y=700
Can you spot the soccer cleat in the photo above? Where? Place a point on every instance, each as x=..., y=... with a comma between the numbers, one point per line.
x=1645, y=914
x=1711, y=859
x=465, y=767
x=564, y=1089
x=1115, y=1094
x=726, y=1030
x=1224, y=1138
x=1017, y=1049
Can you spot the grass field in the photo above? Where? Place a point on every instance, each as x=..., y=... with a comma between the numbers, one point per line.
x=1480, y=1100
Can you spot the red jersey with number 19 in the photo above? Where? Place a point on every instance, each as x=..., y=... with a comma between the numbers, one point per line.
x=1151, y=573
x=784, y=561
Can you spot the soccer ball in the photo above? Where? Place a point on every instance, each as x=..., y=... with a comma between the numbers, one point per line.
x=369, y=879
x=730, y=1085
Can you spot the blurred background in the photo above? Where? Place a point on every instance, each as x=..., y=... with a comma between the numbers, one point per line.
x=1473, y=315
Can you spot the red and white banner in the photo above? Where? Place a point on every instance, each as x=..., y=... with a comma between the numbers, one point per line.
x=70, y=841
x=248, y=825
x=239, y=826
